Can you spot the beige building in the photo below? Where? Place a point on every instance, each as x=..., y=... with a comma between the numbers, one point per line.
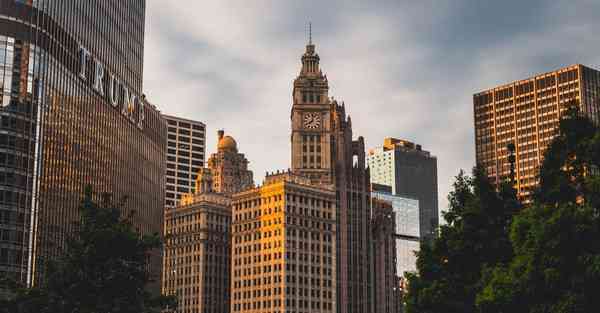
x=197, y=259
x=284, y=247
x=229, y=168
x=526, y=113
x=324, y=151
x=197, y=250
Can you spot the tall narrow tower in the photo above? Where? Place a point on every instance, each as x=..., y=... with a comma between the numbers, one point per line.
x=312, y=123
x=323, y=150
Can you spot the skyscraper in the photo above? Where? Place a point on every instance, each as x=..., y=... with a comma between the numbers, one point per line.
x=73, y=114
x=527, y=113
x=284, y=247
x=197, y=259
x=411, y=172
x=186, y=142
x=324, y=151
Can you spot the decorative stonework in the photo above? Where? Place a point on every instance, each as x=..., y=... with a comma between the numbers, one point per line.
x=229, y=168
x=324, y=152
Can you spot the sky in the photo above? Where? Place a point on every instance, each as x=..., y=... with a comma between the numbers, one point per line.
x=405, y=69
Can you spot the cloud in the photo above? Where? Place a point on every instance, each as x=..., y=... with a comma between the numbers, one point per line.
x=405, y=69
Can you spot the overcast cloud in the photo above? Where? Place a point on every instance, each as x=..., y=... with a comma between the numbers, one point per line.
x=405, y=69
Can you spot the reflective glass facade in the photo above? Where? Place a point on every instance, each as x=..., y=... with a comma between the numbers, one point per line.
x=407, y=232
x=411, y=172
x=406, y=212
x=70, y=73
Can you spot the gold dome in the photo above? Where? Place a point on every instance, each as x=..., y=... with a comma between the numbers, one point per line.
x=227, y=143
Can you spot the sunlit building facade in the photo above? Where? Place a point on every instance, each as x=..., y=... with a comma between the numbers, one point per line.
x=526, y=113
x=73, y=114
x=229, y=167
x=324, y=150
x=197, y=258
x=284, y=247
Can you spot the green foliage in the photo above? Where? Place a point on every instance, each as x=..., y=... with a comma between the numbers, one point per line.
x=546, y=259
x=103, y=269
x=556, y=267
x=567, y=160
x=474, y=239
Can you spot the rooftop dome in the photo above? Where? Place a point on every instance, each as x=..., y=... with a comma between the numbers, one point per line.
x=227, y=143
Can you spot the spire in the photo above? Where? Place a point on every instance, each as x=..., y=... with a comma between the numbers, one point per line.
x=310, y=60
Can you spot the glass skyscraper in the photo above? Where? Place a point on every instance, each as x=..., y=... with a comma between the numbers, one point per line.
x=73, y=114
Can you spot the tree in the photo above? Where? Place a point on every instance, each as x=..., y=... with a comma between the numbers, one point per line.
x=474, y=239
x=556, y=267
x=103, y=269
x=568, y=160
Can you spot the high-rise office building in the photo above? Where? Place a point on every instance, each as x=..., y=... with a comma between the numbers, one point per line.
x=526, y=113
x=72, y=114
x=412, y=173
x=197, y=259
x=197, y=253
x=186, y=142
x=284, y=247
x=324, y=151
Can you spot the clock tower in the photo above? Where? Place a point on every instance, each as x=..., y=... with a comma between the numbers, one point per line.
x=324, y=151
x=311, y=121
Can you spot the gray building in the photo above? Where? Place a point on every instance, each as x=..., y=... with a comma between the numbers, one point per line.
x=186, y=143
x=410, y=172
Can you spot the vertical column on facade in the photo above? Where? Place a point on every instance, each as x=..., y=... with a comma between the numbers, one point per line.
x=495, y=138
x=515, y=141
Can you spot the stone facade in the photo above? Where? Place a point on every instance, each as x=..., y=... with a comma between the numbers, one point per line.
x=198, y=251
x=387, y=294
x=284, y=247
x=197, y=260
x=323, y=150
x=229, y=168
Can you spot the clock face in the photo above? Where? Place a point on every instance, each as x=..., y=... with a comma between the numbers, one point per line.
x=312, y=120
